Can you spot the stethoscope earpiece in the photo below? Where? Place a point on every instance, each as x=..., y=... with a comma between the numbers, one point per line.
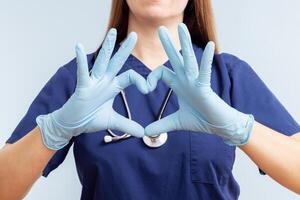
x=108, y=139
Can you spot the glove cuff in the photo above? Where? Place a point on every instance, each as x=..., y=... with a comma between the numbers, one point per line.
x=242, y=133
x=54, y=136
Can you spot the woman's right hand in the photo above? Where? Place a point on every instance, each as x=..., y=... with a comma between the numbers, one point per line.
x=89, y=109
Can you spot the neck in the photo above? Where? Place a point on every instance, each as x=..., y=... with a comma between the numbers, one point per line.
x=148, y=45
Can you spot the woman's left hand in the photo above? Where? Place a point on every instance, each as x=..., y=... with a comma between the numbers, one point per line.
x=200, y=108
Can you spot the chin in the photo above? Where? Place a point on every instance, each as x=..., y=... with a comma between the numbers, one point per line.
x=157, y=14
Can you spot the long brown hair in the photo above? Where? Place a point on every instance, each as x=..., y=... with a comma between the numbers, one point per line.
x=198, y=17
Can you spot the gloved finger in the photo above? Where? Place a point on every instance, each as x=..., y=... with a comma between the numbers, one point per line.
x=160, y=73
x=174, y=56
x=189, y=58
x=121, y=123
x=206, y=64
x=132, y=77
x=105, y=53
x=122, y=54
x=168, y=123
x=82, y=66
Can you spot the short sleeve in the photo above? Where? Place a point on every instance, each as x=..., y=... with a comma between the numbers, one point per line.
x=52, y=96
x=249, y=94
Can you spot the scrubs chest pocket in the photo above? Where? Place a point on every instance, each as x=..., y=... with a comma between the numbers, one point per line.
x=211, y=160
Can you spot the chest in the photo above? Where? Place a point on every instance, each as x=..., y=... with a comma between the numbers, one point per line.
x=198, y=156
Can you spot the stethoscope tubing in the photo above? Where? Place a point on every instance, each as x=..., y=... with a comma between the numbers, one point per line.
x=151, y=141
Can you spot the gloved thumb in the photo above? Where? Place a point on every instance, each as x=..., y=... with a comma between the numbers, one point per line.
x=120, y=123
x=166, y=124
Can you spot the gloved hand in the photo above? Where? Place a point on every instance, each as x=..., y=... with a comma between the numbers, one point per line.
x=200, y=108
x=89, y=109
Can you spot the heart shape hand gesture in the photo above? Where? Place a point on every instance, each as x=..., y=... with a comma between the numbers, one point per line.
x=89, y=109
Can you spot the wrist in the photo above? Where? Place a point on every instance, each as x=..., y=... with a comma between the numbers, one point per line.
x=242, y=132
x=53, y=135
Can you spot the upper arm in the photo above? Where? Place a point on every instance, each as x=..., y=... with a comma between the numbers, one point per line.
x=250, y=94
x=51, y=97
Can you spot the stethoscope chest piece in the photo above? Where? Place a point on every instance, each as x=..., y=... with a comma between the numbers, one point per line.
x=155, y=141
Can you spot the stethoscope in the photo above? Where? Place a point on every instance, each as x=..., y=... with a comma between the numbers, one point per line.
x=151, y=141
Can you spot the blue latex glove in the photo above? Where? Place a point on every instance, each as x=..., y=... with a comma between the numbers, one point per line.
x=200, y=108
x=89, y=109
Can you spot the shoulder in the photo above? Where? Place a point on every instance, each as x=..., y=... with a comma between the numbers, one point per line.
x=224, y=59
x=233, y=61
x=64, y=79
x=234, y=64
x=70, y=68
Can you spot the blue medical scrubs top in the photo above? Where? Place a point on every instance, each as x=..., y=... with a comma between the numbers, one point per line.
x=191, y=165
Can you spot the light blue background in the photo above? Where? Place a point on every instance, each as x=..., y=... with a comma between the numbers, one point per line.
x=37, y=37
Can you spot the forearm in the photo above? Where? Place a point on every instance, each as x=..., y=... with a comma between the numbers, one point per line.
x=21, y=164
x=276, y=154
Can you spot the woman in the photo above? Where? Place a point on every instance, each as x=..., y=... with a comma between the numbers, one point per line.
x=210, y=111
